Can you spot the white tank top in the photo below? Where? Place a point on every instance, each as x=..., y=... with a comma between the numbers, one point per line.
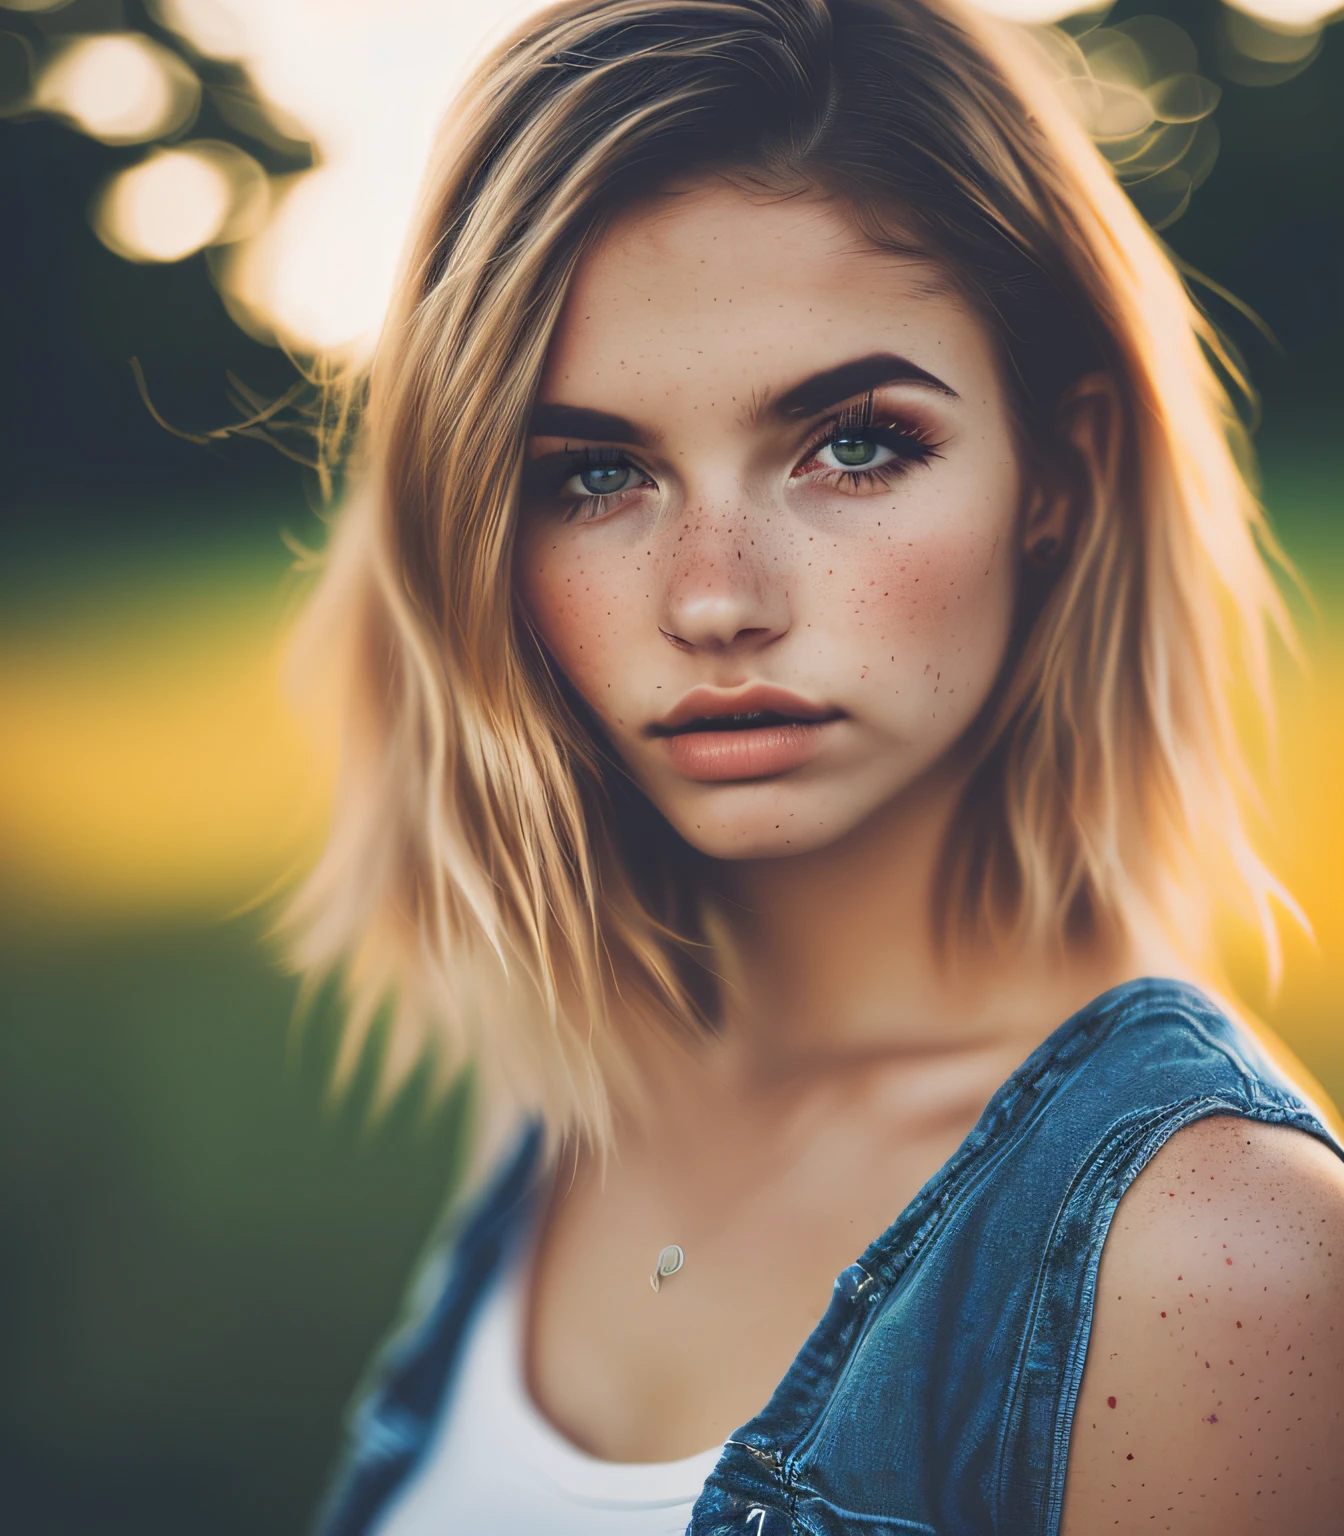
x=495, y=1465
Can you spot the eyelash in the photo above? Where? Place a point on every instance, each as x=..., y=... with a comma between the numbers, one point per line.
x=911, y=445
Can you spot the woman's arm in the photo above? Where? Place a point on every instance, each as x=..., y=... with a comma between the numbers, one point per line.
x=1213, y=1396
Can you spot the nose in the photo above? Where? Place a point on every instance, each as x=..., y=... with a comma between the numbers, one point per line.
x=719, y=593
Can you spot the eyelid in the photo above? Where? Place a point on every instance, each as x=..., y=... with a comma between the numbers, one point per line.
x=549, y=471
x=887, y=422
x=911, y=416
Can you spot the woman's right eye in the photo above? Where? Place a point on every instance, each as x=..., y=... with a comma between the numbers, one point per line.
x=598, y=485
x=600, y=480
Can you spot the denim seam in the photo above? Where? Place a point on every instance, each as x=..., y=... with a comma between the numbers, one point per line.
x=1020, y=1100
x=1041, y=1287
x=1136, y=1133
x=879, y=1522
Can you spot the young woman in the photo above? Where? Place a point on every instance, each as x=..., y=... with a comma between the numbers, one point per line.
x=785, y=638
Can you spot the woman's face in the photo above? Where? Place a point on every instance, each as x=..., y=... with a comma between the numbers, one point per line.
x=771, y=527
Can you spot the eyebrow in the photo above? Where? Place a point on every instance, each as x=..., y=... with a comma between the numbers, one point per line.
x=815, y=394
x=833, y=386
x=554, y=420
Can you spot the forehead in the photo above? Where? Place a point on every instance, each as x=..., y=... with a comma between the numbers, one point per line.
x=715, y=288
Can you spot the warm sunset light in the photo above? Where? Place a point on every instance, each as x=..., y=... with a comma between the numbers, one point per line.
x=318, y=276
x=1289, y=13
x=122, y=88
x=181, y=199
x=1034, y=12
x=312, y=266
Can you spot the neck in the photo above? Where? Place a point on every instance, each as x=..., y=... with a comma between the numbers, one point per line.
x=835, y=954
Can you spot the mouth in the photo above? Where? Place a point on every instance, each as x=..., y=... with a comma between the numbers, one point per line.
x=757, y=708
x=759, y=733
x=742, y=720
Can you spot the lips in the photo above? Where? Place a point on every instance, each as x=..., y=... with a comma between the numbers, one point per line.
x=714, y=709
x=754, y=733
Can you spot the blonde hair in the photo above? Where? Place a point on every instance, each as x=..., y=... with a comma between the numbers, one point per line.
x=491, y=877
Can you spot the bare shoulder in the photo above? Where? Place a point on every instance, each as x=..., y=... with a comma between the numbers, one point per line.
x=1213, y=1395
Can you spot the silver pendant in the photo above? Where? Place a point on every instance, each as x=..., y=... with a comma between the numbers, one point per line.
x=670, y=1261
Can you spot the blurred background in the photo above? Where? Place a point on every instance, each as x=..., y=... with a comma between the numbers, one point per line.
x=199, y=1245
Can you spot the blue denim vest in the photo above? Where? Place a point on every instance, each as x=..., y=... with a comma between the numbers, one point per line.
x=937, y=1392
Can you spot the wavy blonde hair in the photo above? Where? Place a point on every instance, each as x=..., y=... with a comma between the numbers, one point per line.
x=491, y=877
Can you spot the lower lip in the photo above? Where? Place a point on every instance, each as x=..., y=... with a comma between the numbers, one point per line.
x=713, y=756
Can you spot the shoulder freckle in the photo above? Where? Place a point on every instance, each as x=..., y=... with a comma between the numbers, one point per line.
x=1225, y=1381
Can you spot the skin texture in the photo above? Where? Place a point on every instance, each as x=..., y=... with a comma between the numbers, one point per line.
x=729, y=566
x=1213, y=1396
x=734, y=554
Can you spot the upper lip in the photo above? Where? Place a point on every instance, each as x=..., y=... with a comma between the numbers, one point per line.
x=760, y=698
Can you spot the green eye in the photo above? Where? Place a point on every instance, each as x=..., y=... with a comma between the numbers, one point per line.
x=853, y=452
x=603, y=479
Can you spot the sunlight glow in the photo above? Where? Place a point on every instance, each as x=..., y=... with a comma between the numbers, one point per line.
x=164, y=208
x=1289, y=14
x=120, y=87
x=214, y=28
x=366, y=83
x=1037, y=12
x=178, y=200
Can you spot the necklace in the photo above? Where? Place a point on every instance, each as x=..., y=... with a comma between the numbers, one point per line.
x=670, y=1261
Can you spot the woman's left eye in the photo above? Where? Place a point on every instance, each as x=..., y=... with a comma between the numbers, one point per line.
x=856, y=451
x=857, y=458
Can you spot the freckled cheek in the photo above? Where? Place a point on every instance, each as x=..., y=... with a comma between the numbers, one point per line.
x=950, y=587
x=588, y=619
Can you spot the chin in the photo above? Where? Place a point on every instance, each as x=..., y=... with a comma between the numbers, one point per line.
x=763, y=821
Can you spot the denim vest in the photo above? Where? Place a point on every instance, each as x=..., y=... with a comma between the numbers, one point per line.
x=937, y=1392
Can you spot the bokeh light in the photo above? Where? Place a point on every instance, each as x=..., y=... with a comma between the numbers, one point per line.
x=213, y=27
x=1253, y=50
x=1037, y=12
x=178, y=200
x=314, y=274
x=122, y=88
x=319, y=276
x=1289, y=13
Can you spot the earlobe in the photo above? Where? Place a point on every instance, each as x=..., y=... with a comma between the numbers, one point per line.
x=1076, y=460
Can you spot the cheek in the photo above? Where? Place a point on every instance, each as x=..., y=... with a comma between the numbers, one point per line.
x=923, y=588
x=585, y=611
x=924, y=611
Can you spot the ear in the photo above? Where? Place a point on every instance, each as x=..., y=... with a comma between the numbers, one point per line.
x=1077, y=456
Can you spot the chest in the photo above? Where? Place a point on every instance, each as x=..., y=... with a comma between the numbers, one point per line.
x=631, y=1373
